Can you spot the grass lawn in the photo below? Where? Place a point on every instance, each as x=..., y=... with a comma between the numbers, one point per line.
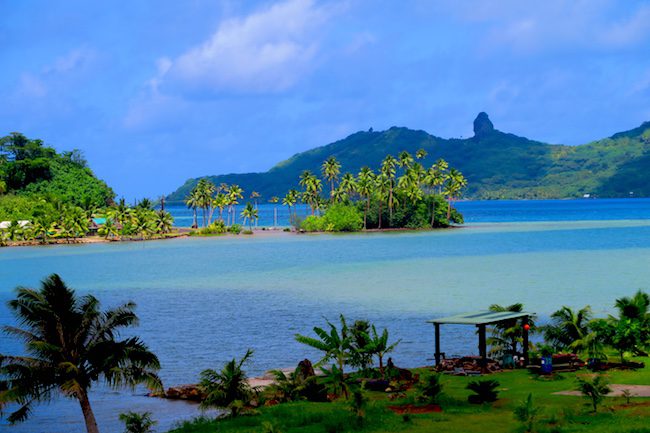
x=558, y=413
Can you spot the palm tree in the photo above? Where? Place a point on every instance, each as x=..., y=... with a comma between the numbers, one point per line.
x=313, y=187
x=388, y=168
x=234, y=194
x=365, y=188
x=434, y=178
x=192, y=201
x=290, y=200
x=568, y=329
x=405, y=159
x=275, y=200
x=249, y=213
x=227, y=388
x=70, y=345
x=383, y=186
x=220, y=202
x=455, y=184
x=135, y=422
x=41, y=229
x=331, y=169
x=421, y=153
x=254, y=196
x=163, y=222
x=108, y=229
x=506, y=335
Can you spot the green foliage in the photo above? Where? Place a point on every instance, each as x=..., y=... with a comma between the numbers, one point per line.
x=313, y=223
x=341, y=217
x=218, y=227
x=594, y=388
x=234, y=229
x=227, y=388
x=485, y=390
x=527, y=413
x=135, y=422
x=358, y=404
x=430, y=388
x=507, y=336
x=70, y=344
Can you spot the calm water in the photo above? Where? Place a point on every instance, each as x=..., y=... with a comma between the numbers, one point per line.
x=203, y=301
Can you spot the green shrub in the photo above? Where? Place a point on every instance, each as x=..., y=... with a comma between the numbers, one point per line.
x=342, y=217
x=485, y=391
x=430, y=388
x=235, y=229
x=313, y=223
x=216, y=228
x=247, y=232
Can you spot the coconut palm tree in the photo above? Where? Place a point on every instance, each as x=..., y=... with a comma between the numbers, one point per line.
x=507, y=335
x=331, y=169
x=421, y=154
x=70, y=344
x=108, y=229
x=568, y=329
x=229, y=387
x=135, y=422
x=313, y=186
x=234, y=194
x=388, y=168
x=365, y=188
x=41, y=229
x=249, y=214
x=405, y=159
x=220, y=202
x=275, y=200
x=254, y=196
x=192, y=201
x=453, y=187
x=163, y=222
x=290, y=200
x=382, y=191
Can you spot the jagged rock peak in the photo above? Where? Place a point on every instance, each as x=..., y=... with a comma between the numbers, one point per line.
x=482, y=124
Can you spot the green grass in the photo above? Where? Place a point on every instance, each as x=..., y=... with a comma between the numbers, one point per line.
x=565, y=414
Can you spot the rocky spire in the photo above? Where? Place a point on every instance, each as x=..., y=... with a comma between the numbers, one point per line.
x=482, y=125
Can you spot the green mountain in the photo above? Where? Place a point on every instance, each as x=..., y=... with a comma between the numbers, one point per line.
x=34, y=178
x=496, y=164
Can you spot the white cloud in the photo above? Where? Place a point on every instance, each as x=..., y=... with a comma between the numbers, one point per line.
x=266, y=51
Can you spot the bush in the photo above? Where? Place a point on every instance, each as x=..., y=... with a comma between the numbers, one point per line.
x=485, y=391
x=341, y=217
x=430, y=388
x=235, y=229
x=313, y=223
x=216, y=228
x=247, y=232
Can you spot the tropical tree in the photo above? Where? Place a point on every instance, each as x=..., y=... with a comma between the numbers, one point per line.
x=220, y=202
x=434, y=179
x=275, y=201
x=331, y=169
x=382, y=192
x=421, y=154
x=568, y=329
x=290, y=200
x=388, y=169
x=379, y=347
x=594, y=388
x=255, y=196
x=249, y=214
x=234, y=194
x=229, y=387
x=42, y=229
x=508, y=334
x=163, y=222
x=334, y=344
x=405, y=159
x=313, y=187
x=108, y=229
x=135, y=422
x=453, y=187
x=365, y=188
x=193, y=201
x=70, y=344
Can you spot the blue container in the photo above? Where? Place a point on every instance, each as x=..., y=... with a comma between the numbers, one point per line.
x=547, y=364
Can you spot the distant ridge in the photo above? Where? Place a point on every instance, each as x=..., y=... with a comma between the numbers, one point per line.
x=498, y=165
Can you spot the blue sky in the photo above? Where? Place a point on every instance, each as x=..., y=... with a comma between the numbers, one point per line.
x=155, y=92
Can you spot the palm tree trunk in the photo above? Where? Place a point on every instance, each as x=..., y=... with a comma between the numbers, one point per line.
x=89, y=416
x=433, y=212
x=449, y=208
x=380, y=203
x=365, y=214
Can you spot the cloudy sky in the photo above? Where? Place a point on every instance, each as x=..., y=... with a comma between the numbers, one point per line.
x=155, y=92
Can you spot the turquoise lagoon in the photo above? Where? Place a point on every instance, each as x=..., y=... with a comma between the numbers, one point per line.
x=204, y=301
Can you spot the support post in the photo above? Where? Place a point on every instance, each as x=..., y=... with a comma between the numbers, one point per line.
x=524, y=322
x=437, y=332
x=482, y=346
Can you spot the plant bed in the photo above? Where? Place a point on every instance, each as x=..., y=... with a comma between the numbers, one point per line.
x=413, y=409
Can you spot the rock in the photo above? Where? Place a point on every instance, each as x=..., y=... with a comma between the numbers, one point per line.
x=305, y=369
x=482, y=125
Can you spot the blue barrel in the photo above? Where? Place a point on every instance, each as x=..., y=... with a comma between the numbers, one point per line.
x=547, y=364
